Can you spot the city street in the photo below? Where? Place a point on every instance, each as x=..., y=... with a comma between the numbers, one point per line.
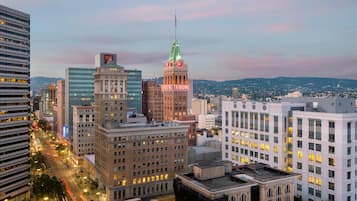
x=57, y=166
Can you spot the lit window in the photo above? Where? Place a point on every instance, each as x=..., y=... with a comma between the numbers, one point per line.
x=311, y=179
x=311, y=157
x=318, y=181
x=276, y=150
x=299, y=155
x=318, y=158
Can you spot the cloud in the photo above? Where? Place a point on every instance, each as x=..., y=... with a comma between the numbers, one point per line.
x=281, y=28
x=189, y=10
x=273, y=66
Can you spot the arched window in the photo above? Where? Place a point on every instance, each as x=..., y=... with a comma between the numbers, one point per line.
x=278, y=191
x=233, y=198
x=270, y=193
x=287, y=189
x=243, y=197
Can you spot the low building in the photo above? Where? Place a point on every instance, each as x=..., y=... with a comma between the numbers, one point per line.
x=219, y=181
x=83, y=131
x=206, y=121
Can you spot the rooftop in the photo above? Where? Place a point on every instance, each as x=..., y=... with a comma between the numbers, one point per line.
x=262, y=172
x=220, y=183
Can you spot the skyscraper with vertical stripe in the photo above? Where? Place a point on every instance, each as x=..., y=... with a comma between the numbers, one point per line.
x=14, y=104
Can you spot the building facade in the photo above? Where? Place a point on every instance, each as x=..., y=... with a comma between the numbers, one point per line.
x=325, y=155
x=48, y=100
x=199, y=106
x=83, y=130
x=175, y=85
x=15, y=104
x=315, y=137
x=140, y=160
x=206, y=121
x=190, y=121
x=60, y=107
x=258, y=132
x=79, y=90
x=152, y=101
x=134, y=90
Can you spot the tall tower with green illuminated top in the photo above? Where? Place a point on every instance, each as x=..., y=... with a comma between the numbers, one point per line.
x=175, y=86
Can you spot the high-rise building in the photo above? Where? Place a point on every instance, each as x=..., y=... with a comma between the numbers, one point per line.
x=83, y=130
x=79, y=90
x=152, y=101
x=110, y=90
x=175, y=86
x=134, y=89
x=314, y=137
x=60, y=107
x=48, y=99
x=199, y=106
x=15, y=104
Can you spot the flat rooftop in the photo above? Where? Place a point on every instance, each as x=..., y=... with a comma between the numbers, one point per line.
x=219, y=183
x=262, y=172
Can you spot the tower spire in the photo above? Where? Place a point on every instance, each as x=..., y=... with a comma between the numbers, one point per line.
x=175, y=24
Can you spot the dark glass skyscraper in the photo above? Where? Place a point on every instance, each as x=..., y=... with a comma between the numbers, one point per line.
x=134, y=89
x=14, y=104
x=79, y=84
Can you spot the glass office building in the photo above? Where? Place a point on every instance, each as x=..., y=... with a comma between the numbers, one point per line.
x=14, y=104
x=134, y=90
x=79, y=84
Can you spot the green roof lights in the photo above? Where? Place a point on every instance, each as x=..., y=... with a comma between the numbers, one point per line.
x=175, y=54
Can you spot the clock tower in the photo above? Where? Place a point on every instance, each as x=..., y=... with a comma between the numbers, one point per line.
x=175, y=85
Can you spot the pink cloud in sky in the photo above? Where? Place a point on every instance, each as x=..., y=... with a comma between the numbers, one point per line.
x=274, y=66
x=281, y=28
x=190, y=10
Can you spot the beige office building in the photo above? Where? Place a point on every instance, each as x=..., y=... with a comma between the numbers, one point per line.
x=83, y=130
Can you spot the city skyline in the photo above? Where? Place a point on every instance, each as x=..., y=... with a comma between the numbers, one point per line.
x=230, y=40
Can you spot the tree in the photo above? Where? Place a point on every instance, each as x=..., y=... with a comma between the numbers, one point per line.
x=38, y=161
x=44, y=125
x=46, y=186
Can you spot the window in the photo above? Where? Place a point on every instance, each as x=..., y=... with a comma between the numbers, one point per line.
x=348, y=150
x=276, y=120
x=331, y=174
x=299, y=187
x=270, y=193
x=331, y=149
x=299, y=129
x=299, y=144
x=311, y=168
x=233, y=198
x=331, y=136
x=348, y=187
x=331, y=197
x=331, y=161
x=318, y=170
x=278, y=191
x=318, y=147
x=318, y=130
x=349, y=163
x=318, y=193
x=243, y=197
x=311, y=128
x=311, y=146
x=275, y=159
x=299, y=165
x=311, y=191
x=226, y=118
x=348, y=175
x=287, y=190
x=331, y=185
x=349, y=132
x=276, y=139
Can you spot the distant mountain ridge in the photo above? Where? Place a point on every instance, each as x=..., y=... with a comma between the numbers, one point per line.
x=255, y=87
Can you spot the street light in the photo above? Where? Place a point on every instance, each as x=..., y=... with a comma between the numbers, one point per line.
x=45, y=198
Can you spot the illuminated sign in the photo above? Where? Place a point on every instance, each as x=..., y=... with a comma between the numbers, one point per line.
x=176, y=87
x=108, y=58
x=65, y=131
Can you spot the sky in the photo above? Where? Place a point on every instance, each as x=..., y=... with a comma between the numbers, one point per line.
x=220, y=39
